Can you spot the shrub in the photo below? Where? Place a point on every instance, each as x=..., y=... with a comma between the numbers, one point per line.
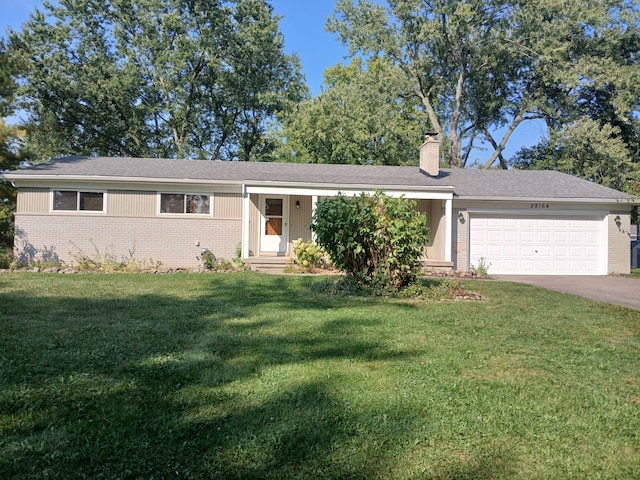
x=210, y=262
x=308, y=255
x=376, y=240
x=237, y=259
x=108, y=262
x=6, y=258
x=482, y=269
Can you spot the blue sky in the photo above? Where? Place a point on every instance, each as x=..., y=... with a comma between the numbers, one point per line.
x=303, y=26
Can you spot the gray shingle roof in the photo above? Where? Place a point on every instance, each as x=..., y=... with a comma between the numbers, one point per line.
x=466, y=183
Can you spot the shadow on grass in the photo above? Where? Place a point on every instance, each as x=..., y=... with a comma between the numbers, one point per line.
x=225, y=381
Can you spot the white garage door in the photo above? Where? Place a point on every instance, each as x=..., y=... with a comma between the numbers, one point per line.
x=537, y=245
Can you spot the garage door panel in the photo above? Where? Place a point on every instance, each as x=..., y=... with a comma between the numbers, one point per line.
x=560, y=237
x=559, y=265
x=509, y=250
x=527, y=236
x=539, y=245
x=511, y=222
x=591, y=237
x=577, y=251
x=576, y=236
x=544, y=237
x=526, y=265
x=591, y=251
x=543, y=250
x=526, y=251
x=494, y=236
x=510, y=236
x=507, y=264
x=560, y=251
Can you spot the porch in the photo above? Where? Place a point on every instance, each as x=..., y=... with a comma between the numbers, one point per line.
x=275, y=217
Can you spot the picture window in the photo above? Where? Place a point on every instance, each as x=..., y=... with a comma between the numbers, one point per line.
x=78, y=201
x=179, y=203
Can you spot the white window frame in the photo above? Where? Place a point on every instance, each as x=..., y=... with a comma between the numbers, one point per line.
x=185, y=214
x=77, y=210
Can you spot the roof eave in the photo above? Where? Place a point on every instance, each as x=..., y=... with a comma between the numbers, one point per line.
x=627, y=200
x=116, y=179
x=112, y=179
x=349, y=186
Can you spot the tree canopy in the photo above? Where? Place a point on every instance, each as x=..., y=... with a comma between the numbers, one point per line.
x=154, y=78
x=485, y=66
x=9, y=147
x=365, y=115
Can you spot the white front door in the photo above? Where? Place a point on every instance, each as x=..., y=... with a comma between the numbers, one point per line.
x=274, y=232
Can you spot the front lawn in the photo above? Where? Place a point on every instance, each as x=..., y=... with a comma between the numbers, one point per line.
x=253, y=376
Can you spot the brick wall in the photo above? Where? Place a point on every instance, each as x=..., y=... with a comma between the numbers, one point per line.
x=176, y=242
x=619, y=243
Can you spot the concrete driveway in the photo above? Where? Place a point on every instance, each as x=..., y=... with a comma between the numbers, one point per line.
x=617, y=290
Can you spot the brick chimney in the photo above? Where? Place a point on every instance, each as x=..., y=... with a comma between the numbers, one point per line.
x=430, y=155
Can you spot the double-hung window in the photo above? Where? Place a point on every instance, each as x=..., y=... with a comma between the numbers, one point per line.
x=78, y=201
x=185, y=203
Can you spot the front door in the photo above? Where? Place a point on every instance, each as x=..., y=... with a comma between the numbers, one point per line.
x=273, y=231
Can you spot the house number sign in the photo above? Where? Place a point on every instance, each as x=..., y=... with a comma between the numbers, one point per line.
x=539, y=205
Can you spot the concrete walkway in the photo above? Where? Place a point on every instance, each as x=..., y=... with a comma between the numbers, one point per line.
x=617, y=290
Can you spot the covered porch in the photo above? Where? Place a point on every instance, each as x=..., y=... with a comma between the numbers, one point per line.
x=275, y=216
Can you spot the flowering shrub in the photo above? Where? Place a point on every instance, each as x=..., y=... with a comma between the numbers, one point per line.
x=309, y=256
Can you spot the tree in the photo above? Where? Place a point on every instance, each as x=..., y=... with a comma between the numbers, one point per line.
x=376, y=240
x=593, y=106
x=9, y=155
x=588, y=150
x=365, y=115
x=483, y=66
x=154, y=78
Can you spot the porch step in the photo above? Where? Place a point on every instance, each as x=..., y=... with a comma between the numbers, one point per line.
x=436, y=265
x=278, y=264
x=267, y=264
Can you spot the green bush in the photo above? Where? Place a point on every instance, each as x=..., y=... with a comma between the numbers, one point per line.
x=210, y=262
x=6, y=258
x=376, y=240
x=7, y=211
x=308, y=255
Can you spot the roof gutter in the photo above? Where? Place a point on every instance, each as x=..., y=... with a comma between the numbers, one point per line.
x=627, y=200
x=95, y=178
x=13, y=177
x=347, y=186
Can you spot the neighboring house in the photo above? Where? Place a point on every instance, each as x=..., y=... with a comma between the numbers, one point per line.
x=515, y=221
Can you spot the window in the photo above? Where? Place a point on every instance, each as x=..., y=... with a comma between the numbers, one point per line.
x=185, y=203
x=74, y=201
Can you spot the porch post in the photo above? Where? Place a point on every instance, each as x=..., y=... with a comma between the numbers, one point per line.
x=246, y=213
x=448, y=212
x=314, y=204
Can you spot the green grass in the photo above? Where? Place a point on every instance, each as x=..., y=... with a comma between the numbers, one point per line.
x=635, y=272
x=252, y=376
